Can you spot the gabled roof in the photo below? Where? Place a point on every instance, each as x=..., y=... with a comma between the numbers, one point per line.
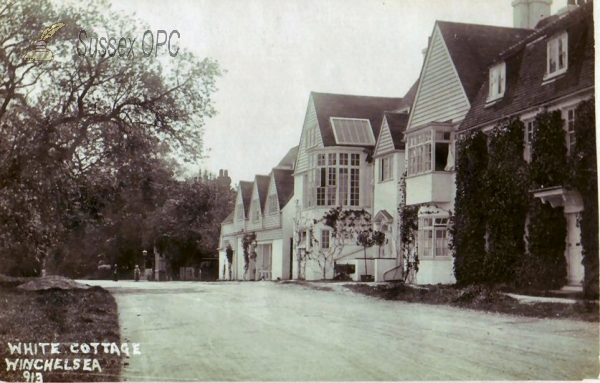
x=229, y=218
x=246, y=190
x=289, y=160
x=329, y=105
x=397, y=123
x=526, y=68
x=284, y=183
x=473, y=47
x=262, y=185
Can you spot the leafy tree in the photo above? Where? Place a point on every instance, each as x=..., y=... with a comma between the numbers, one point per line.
x=78, y=134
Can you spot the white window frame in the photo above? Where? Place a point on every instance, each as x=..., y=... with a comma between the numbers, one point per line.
x=386, y=168
x=325, y=239
x=422, y=150
x=272, y=204
x=497, y=82
x=256, y=211
x=557, y=51
x=433, y=225
x=569, y=117
x=340, y=173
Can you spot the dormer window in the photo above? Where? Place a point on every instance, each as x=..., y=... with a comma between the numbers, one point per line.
x=557, y=54
x=497, y=81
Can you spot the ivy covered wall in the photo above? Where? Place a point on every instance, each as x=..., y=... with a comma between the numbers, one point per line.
x=584, y=177
x=467, y=231
x=490, y=241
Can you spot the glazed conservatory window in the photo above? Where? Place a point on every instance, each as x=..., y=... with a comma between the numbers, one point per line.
x=557, y=55
x=433, y=237
x=336, y=179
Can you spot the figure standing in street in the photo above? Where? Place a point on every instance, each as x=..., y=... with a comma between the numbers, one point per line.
x=136, y=273
x=115, y=278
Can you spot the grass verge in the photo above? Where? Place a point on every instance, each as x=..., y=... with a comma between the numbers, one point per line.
x=64, y=317
x=479, y=298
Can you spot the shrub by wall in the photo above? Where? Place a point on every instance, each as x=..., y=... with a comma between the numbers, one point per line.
x=469, y=219
x=507, y=184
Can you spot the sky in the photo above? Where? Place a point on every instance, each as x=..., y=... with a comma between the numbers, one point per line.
x=275, y=52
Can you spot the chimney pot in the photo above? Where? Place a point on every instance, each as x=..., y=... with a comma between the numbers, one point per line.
x=220, y=172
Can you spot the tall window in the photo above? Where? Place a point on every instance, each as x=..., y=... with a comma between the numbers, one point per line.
x=240, y=211
x=385, y=169
x=497, y=81
x=433, y=237
x=570, y=125
x=272, y=203
x=427, y=152
x=336, y=179
x=256, y=211
x=325, y=239
x=529, y=131
x=557, y=55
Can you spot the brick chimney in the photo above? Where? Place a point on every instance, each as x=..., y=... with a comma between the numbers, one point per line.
x=223, y=178
x=527, y=13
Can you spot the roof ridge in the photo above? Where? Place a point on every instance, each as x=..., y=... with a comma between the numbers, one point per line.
x=355, y=95
x=484, y=25
x=537, y=33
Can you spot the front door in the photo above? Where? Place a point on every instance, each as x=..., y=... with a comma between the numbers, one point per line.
x=574, y=256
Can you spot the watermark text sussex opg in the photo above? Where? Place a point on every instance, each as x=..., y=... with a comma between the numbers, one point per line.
x=126, y=47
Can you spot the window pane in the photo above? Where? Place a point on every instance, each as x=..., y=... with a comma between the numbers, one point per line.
x=441, y=155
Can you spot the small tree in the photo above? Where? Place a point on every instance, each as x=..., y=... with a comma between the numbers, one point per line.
x=366, y=240
x=229, y=255
x=345, y=225
x=380, y=240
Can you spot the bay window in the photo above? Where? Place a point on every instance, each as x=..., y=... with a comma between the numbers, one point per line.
x=428, y=151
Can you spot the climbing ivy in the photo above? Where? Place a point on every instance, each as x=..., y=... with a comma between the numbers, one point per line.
x=507, y=188
x=247, y=240
x=544, y=266
x=468, y=223
x=585, y=178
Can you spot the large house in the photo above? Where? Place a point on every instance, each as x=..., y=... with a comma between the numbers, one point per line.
x=372, y=154
x=551, y=69
x=262, y=207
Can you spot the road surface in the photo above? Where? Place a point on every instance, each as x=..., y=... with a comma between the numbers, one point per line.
x=243, y=331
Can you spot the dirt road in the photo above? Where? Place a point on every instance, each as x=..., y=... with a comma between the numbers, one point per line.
x=265, y=331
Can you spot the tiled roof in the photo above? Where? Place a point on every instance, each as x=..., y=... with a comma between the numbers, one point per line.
x=409, y=97
x=340, y=105
x=262, y=184
x=289, y=160
x=526, y=68
x=284, y=183
x=397, y=123
x=246, y=189
x=473, y=47
x=229, y=218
